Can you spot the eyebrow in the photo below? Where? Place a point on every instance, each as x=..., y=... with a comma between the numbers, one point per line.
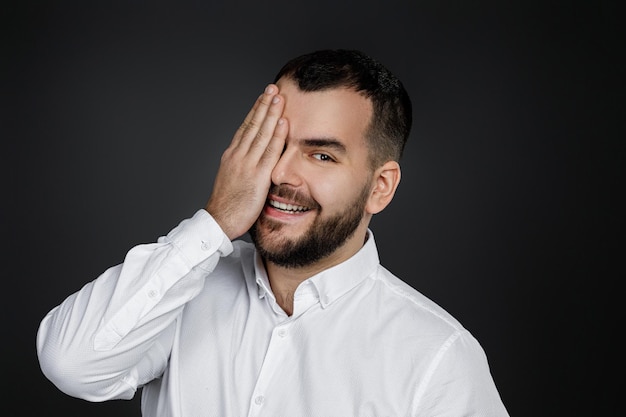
x=325, y=143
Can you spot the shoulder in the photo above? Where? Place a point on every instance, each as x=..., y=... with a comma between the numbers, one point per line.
x=416, y=310
x=426, y=327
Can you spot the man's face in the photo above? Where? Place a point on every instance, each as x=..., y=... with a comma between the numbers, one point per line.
x=322, y=182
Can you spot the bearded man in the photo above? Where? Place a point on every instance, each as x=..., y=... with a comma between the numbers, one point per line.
x=304, y=321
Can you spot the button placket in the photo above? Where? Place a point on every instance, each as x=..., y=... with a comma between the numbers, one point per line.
x=273, y=359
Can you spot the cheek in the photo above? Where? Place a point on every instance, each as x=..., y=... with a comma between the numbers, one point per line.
x=335, y=193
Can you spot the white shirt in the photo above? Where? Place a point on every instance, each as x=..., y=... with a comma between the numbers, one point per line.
x=192, y=319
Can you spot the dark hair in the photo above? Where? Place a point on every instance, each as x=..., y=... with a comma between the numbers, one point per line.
x=392, y=111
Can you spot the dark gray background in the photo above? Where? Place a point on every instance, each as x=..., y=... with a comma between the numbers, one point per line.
x=114, y=118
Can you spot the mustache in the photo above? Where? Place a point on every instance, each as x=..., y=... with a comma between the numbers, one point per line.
x=296, y=196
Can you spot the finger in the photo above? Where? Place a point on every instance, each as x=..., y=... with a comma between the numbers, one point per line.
x=275, y=147
x=246, y=121
x=253, y=121
x=265, y=132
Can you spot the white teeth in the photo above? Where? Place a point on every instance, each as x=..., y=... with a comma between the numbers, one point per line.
x=287, y=207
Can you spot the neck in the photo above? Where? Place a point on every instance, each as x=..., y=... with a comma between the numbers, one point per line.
x=285, y=280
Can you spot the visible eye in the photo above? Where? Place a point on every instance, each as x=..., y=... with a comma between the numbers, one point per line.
x=322, y=157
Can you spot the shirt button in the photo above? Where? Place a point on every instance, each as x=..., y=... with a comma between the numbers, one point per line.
x=153, y=293
x=205, y=246
x=282, y=332
x=259, y=400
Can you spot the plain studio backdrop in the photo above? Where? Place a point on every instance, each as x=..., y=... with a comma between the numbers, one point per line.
x=114, y=117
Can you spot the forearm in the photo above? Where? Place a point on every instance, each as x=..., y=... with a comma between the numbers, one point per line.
x=115, y=333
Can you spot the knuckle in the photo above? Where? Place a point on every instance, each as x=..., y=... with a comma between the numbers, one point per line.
x=266, y=99
x=260, y=134
x=258, y=140
x=269, y=152
x=249, y=125
x=241, y=128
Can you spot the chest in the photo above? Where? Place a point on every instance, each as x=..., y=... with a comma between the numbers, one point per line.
x=235, y=356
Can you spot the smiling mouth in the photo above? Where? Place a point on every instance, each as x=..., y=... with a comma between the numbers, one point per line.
x=288, y=208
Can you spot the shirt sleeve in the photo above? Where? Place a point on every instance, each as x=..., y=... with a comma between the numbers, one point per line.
x=459, y=382
x=115, y=333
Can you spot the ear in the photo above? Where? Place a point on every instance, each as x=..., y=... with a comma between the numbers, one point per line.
x=386, y=180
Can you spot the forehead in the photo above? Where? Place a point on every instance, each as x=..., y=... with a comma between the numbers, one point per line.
x=339, y=113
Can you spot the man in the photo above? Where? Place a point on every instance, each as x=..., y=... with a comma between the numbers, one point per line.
x=305, y=321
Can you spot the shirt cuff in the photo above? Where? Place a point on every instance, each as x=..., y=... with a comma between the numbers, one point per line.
x=199, y=237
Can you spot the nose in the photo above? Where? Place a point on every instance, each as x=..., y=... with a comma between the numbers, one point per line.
x=286, y=171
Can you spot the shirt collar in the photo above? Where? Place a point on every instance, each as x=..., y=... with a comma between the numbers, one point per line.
x=333, y=282
x=262, y=280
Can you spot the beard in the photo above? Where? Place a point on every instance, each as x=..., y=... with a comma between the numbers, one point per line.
x=322, y=238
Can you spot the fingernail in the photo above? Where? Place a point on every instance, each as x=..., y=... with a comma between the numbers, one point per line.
x=269, y=89
x=276, y=99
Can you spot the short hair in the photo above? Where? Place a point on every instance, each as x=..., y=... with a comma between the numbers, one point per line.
x=391, y=120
